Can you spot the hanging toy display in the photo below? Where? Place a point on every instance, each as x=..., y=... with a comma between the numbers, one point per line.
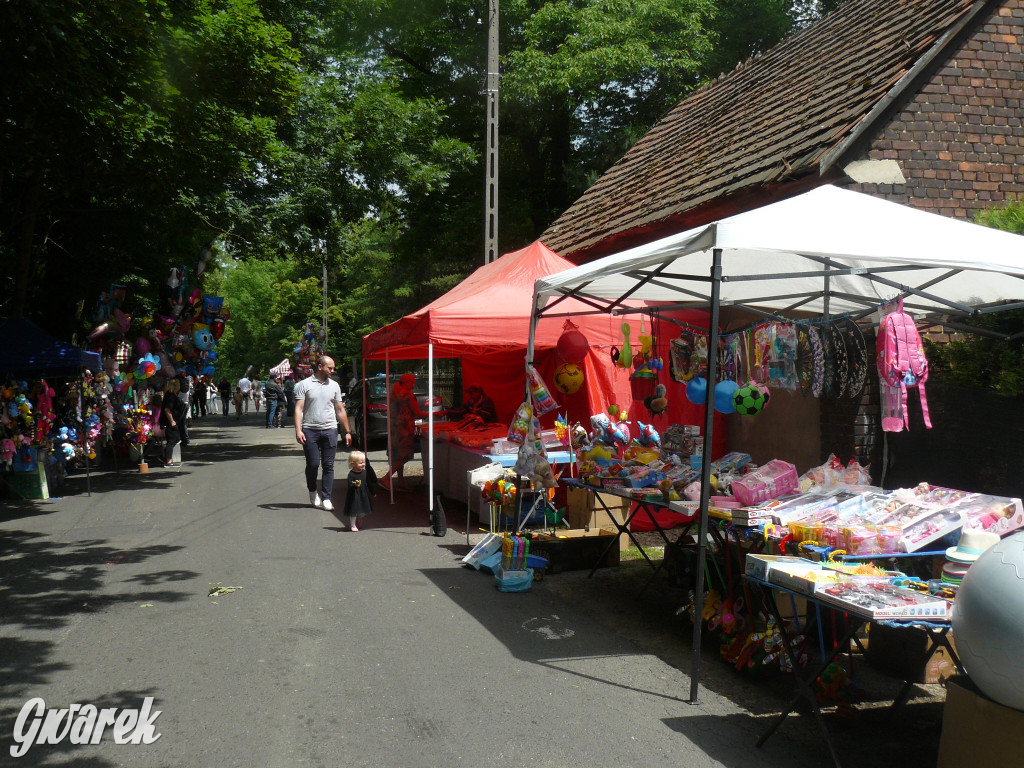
x=568, y=378
x=572, y=345
x=623, y=359
x=697, y=390
x=543, y=402
x=724, y=393
x=750, y=399
x=658, y=402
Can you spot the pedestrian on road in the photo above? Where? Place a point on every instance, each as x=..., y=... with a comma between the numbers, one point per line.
x=199, y=398
x=212, y=396
x=272, y=391
x=282, y=399
x=405, y=409
x=171, y=414
x=362, y=487
x=257, y=394
x=239, y=399
x=224, y=390
x=318, y=412
x=289, y=394
x=181, y=415
x=246, y=386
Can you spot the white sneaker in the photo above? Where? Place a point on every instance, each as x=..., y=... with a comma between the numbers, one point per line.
x=328, y=505
x=314, y=499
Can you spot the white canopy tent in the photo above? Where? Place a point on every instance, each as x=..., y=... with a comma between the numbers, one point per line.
x=829, y=252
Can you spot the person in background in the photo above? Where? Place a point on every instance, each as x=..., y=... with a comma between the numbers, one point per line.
x=179, y=386
x=212, y=397
x=289, y=394
x=246, y=386
x=282, y=401
x=479, y=405
x=273, y=389
x=239, y=400
x=405, y=409
x=318, y=412
x=257, y=394
x=169, y=424
x=199, y=398
x=224, y=390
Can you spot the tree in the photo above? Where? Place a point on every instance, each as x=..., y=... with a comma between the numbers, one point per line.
x=128, y=126
x=270, y=303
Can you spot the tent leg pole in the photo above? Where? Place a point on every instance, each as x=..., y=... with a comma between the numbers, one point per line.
x=705, y=469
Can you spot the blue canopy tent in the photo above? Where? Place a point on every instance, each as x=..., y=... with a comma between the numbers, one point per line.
x=25, y=348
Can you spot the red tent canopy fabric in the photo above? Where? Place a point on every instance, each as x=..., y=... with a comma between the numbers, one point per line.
x=485, y=321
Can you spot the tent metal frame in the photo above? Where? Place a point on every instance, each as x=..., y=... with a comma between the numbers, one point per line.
x=705, y=242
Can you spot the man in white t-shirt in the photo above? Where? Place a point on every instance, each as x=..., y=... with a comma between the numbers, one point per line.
x=246, y=386
x=318, y=412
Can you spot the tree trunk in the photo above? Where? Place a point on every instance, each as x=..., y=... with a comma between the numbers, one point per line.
x=23, y=248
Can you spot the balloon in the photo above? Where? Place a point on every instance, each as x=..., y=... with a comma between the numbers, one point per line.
x=572, y=346
x=217, y=328
x=697, y=390
x=142, y=346
x=750, y=400
x=568, y=378
x=724, y=393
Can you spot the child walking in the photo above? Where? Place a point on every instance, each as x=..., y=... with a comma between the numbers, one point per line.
x=362, y=486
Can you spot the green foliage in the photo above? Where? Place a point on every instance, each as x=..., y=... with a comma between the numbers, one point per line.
x=270, y=303
x=305, y=133
x=986, y=361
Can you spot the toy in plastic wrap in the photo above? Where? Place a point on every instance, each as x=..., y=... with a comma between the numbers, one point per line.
x=688, y=356
x=520, y=424
x=782, y=357
x=543, y=402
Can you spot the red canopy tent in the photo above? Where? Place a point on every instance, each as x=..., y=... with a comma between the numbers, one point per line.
x=485, y=322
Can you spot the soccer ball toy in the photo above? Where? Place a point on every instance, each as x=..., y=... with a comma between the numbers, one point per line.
x=568, y=378
x=750, y=400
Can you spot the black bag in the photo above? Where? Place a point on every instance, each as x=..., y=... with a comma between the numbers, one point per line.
x=438, y=525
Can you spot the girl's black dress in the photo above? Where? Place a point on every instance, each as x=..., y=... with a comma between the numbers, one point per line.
x=362, y=486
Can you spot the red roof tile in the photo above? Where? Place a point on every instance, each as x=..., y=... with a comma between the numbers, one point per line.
x=774, y=119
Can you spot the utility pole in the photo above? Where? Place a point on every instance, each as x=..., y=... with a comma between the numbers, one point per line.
x=491, y=137
x=324, y=253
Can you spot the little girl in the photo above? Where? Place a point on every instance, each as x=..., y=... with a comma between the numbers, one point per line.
x=362, y=486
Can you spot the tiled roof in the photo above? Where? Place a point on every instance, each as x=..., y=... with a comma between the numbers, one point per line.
x=774, y=119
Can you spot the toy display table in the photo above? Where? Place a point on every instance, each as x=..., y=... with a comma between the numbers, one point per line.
x=645, y=505
x=937, y=637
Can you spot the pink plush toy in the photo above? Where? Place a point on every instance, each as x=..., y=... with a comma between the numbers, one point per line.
x=6, y=450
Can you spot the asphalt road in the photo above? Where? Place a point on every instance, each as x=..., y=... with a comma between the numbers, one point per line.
x=375, y=648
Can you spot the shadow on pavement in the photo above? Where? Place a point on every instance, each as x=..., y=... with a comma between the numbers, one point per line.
x=45, y=586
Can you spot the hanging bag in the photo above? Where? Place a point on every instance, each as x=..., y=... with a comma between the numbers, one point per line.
x=901, y=364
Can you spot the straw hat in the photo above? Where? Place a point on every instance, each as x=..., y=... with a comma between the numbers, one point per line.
x=972, y=544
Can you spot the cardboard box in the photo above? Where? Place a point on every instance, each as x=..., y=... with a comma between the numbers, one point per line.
x=579, y=507
x=977, y=730
x=902, y=652
x=618, y=508
x=575, y=550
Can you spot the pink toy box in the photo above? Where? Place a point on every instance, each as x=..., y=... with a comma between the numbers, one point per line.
x=774, y=479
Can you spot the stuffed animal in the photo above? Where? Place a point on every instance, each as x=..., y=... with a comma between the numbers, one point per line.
x=658, y=402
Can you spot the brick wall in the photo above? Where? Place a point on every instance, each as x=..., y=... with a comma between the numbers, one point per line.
x=960, y=141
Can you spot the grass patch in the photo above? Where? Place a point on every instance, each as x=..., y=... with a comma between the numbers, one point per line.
x=633, y=553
